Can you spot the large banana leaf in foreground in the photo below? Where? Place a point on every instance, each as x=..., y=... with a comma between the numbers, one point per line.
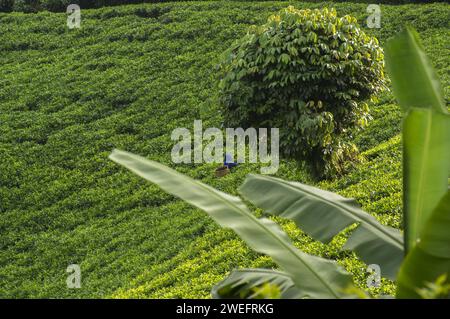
x=241, y=284
x=315, y=277
x=414, y=81
x=426, y=156
x=430, y=258
x=426, y=137
x=322, y=215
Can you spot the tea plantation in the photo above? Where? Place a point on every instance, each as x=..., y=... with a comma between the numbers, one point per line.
x=128, y=77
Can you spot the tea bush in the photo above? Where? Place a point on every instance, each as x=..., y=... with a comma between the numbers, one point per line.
x=61, y=5
x=27, y=6
x=309, y=73
x=6, y=5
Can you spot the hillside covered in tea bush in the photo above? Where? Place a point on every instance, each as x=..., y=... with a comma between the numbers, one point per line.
x=61, y=5
x=125, y=80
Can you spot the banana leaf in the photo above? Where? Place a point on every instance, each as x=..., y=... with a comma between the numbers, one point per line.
x=322, y=215
x=414, y=81
x=314, y=277
x=430, y=258
x=426, y=131
x=426, y=163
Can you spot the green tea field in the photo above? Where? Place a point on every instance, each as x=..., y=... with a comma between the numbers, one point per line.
x=128, y=77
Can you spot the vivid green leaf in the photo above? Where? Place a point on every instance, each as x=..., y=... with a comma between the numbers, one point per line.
x=413, y=79
x=322, y=215
x=315, y=277
x=430, y=258
x=426, y=156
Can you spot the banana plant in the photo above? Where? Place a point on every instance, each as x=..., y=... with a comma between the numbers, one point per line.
x=426, y=139
x=429, y=259
x=315, y=277
x=426, y=165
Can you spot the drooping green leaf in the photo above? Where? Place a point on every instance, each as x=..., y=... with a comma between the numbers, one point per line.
x=426, y=156
x=430, y=258
x=413, y=79
x=243, y=282
x=322, y=215
x=315, y=277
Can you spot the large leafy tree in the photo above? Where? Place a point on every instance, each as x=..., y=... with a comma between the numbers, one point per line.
x=310, y=73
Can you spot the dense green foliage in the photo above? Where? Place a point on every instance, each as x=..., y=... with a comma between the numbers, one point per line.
x=309, y=73
x=61, y=5
x=126, y=79
x=6, y=5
